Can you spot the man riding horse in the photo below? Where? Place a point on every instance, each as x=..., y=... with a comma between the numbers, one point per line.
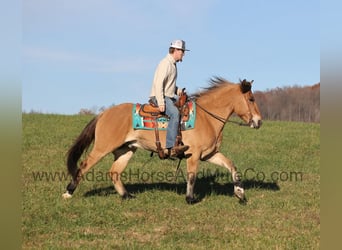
x=163, y=92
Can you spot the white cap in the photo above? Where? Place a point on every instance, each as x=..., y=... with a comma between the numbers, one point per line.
x=178, y=44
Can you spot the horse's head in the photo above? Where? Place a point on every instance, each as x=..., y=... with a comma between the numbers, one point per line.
x=246, y=108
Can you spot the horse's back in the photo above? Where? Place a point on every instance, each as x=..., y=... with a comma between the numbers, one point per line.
x=123, y=108
x=117, y=118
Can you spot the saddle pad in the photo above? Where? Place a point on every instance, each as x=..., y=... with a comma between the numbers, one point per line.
x=146, y=123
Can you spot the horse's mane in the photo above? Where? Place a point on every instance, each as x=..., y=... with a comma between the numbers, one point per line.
x=215, y=83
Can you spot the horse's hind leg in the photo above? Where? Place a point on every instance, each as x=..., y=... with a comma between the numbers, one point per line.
x=93, y=157
x=221, y=160
x=121, y=158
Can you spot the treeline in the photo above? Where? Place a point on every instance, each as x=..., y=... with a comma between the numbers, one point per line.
x=290, y=103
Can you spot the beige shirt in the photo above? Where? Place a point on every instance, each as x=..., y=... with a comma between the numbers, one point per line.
x=164, y=82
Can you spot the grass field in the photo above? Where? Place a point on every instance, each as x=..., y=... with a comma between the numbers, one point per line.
x=279, y=164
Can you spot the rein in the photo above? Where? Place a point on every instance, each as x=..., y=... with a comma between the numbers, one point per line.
x=219, y=118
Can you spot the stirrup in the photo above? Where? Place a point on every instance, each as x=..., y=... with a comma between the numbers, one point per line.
x=177, y=151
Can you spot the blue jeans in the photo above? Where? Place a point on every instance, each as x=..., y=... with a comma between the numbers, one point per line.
x=172, y=129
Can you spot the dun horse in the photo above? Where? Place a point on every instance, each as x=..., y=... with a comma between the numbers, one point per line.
x=112, y=132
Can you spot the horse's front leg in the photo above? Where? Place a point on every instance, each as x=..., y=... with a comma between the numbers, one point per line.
x=221, y=160
x=192, y=165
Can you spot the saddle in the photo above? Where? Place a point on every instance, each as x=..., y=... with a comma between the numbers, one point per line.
x=151, y=110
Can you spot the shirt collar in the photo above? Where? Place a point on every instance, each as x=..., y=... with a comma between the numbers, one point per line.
x=171, y=59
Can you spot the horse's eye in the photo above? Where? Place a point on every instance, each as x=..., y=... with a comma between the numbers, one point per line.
x=251, y=99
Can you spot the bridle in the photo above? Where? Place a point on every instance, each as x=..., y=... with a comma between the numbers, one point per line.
x=219, y=118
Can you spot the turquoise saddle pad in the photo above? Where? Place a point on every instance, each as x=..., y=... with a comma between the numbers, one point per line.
x=146, y=123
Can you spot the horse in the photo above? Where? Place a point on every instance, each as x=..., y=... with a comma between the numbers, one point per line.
x=111, y=132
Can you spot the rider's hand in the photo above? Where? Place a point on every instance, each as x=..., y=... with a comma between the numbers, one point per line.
x=180, y=91
x=161, y=108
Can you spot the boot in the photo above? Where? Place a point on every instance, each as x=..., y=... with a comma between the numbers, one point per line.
x=176, y=151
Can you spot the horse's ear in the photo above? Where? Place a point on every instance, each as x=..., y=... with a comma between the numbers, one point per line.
x=245, y=86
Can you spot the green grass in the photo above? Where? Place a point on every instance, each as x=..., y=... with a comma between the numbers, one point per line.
x=280, y=168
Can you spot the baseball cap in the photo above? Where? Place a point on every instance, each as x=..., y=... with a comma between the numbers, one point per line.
x=178, y=44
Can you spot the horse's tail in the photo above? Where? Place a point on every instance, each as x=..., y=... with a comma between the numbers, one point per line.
x=80, y=145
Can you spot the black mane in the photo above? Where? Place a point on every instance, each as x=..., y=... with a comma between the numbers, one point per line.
x=214, y=83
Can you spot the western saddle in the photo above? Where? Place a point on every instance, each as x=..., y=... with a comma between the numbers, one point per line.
x=151, y=110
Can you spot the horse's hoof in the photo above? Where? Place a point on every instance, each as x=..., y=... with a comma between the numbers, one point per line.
x=239, y=191
x=66, y=195
x=243, y=200
x=191, y=200
x=127, y=196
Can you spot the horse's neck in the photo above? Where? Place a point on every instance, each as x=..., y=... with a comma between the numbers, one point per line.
x=219, y=110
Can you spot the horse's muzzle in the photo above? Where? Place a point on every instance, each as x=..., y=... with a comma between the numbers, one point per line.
x=255, y=123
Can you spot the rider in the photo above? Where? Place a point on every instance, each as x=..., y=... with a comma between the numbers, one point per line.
x=163, y=94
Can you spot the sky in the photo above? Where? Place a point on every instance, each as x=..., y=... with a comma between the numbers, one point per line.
x=89, y=54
